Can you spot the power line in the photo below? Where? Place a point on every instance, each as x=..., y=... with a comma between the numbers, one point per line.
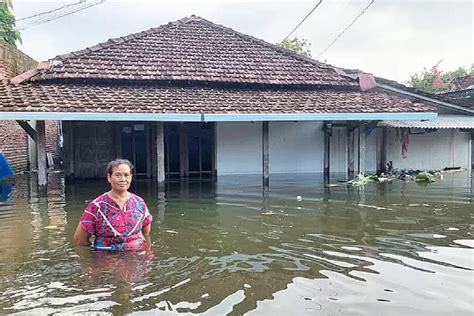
x=307, y=15
x=57, y=16
x=51, y=11
x=347, y=27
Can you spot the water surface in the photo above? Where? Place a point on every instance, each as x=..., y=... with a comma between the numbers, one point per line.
x=223, y=247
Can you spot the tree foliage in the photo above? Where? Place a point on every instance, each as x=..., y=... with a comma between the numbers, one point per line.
x=434, y=80
x=7, y=24
x=299, y=46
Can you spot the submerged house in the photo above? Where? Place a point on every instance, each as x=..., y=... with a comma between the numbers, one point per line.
x=195, y=98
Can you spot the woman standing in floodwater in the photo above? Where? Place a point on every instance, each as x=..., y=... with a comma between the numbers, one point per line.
x=119, y=220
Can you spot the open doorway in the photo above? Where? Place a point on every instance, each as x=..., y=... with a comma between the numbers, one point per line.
x=134, y=147
x=189, y=150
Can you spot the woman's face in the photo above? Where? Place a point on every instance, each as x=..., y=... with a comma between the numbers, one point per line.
x=121, y=178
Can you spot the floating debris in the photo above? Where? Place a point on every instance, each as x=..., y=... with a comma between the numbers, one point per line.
x=361, y=180
x=425, y=177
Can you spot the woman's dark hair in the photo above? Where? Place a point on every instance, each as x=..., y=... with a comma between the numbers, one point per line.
x=114, y=163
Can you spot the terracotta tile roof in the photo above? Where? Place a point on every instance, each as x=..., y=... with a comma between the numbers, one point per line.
x=132, y=98
x=192, y=49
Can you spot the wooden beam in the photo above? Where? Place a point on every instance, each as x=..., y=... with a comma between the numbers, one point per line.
x=41, y=156
x=160, y=152
x=362, y=139
x=350, y=152
x=265, y=156
x=28, y=129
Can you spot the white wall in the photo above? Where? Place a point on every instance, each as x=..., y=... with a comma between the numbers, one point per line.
x=296, y=147
x=430, y=151
x=239, y=148
x=371, y=152
x=338, y=151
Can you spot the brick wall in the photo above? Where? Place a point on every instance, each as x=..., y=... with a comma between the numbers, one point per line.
x=13, y=139
x=13, y=143
x=52, y=139
x=13, y=62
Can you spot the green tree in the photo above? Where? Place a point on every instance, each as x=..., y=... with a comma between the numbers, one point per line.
x=433, y=80
x=7, y=24
x=299, y=46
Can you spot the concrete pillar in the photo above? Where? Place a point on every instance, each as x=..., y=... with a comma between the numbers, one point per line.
x=41, y=153
x=350, y=152
x=265, y=155
x=32, y=154
x=160, y=152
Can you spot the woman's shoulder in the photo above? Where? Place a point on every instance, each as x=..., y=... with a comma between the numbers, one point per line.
x=98, y=200
x=137, y=198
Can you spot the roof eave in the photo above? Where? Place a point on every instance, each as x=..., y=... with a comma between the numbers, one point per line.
x=216, y=117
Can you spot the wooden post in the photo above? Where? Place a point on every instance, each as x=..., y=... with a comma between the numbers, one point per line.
x=214, y=148
x=68, y=148
x=382, y=151
x=160, y=152
x=148, y=150
x=183, y=152
x=154, y=152
x=265, y=156
x=362, y=138
x=41, y=153
x=350, y=151
x=327, y=129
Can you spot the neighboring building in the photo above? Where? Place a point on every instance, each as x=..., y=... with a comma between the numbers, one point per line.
x=13, y=139
x=195, y=98
x=445, y=142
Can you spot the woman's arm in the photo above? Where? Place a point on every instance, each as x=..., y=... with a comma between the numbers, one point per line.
x=82, y=236
x=146, y=233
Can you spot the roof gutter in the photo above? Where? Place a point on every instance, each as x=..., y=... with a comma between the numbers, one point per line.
x=211, y=117
x=427, y=99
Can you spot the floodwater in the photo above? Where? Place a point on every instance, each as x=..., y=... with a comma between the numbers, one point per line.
x=223, y=248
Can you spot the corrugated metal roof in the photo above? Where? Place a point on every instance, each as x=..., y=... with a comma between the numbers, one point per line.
x=443, y=121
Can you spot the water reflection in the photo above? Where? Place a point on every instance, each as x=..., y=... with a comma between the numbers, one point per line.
x=224, y=247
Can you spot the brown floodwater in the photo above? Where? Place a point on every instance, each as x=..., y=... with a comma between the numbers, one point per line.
x=225, y=248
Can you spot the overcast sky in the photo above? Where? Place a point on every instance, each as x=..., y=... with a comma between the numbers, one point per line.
x=393, y=39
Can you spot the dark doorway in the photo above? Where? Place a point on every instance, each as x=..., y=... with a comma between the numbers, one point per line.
x=134, y=147
x=189, y=150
